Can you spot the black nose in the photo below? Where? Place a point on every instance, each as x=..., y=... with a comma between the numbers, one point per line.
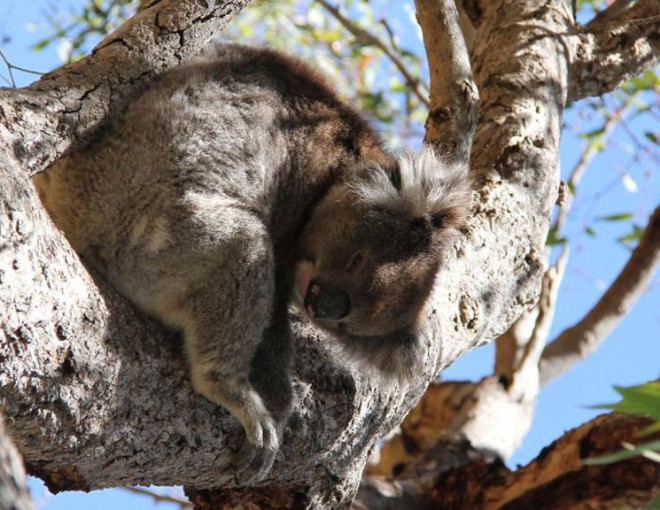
x=326, y=301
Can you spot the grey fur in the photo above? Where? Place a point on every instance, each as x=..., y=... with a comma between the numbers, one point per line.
x=236, y=181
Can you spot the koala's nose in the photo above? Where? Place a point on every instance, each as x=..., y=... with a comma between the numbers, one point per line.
x=326, y=301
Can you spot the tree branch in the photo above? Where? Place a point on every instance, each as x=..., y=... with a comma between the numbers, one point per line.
x=454, y=95
x=613, y=10
x=577, y=342
x=558, y=480
x=555, y=481
x=607, y=54
x=564, y=206
x=64, y=107
x=14, y=494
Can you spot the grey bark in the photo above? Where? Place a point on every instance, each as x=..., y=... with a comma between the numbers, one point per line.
x=605, y=53
x=13, y=491
x=452, y=117
x=96, y=395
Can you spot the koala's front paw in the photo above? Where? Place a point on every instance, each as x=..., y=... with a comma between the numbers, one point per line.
x=256, y=456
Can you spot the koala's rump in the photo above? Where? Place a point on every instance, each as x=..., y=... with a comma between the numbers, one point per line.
x=178, y=176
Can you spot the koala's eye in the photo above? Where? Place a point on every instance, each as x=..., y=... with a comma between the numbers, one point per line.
x=357, y=262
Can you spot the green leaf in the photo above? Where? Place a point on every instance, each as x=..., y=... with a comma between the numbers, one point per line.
x=642, y=400
x=616, y=217
x=647, y=81
x=596, y=133
x=553, y=239
x=42, y=44
x=571, y=187
x=590, y=231
x=633, y=236
x=652, y=136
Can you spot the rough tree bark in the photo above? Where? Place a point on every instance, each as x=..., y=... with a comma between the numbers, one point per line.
x=95, y=395
x=13, y=492
x=456, y=423
x=556, y=480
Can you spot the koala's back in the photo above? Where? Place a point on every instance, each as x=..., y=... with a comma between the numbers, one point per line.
x=240, y=128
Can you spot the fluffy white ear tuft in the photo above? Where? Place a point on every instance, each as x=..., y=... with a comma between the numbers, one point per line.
x=426, y=185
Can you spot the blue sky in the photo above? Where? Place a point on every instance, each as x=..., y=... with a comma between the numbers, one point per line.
x=631, y=354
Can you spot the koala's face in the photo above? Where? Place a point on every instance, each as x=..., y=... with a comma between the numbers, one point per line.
x=365, y=270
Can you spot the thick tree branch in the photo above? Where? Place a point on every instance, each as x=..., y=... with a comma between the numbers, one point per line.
x=577, y=342
x=521, y=71
x=61, y=109
x=557, y=480
x=454, y=95
x=14, y=494
x=605, y=55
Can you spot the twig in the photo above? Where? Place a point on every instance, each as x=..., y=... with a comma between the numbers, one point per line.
x=533, y=349
x=11, y=66
x=578, y=170
x=612, y=11
x=368, y=39
x=160, y=498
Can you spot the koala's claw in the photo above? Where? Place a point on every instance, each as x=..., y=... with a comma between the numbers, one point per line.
x=257, y=454
x=253, y=463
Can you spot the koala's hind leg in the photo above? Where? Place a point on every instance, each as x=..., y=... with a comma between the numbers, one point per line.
x=223, y=315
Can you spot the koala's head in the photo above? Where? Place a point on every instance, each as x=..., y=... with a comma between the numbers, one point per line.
x=368, y=256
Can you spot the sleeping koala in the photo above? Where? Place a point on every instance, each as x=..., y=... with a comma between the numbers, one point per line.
x=238, y=182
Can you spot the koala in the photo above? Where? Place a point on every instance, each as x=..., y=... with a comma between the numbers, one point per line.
x=240, y=183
